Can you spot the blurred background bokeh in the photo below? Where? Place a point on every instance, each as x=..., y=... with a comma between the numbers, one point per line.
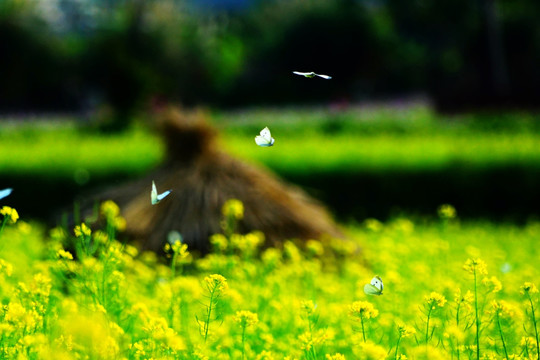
x=431, y=101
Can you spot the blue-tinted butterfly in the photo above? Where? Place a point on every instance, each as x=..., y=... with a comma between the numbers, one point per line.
x=155, y=197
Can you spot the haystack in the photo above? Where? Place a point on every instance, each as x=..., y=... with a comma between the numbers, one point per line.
x=202, y=177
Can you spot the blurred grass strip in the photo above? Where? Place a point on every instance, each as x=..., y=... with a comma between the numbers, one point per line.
x=357, y=152
x=59, y=151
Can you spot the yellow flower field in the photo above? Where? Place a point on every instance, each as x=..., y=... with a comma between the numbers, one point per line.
x=451, y=291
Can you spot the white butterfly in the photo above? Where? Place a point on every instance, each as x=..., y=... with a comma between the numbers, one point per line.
x=375, y=287
x=311, y=74
x=265, y=139
x=154, y=197
x=5, y=192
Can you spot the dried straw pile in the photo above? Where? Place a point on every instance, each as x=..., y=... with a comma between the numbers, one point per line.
x=202, y=178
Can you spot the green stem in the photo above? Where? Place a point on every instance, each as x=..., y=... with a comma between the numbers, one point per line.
x=4, y=221
x=477, y=318
x=313, y=352
x=173, y=264
x=535, y=327
x=209, y=314
x=243, y=340
x=427, y=323
x=502, y=337
x=363, y=331
x=397, y=346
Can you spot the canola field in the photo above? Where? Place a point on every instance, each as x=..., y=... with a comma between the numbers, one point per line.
x=452, y=290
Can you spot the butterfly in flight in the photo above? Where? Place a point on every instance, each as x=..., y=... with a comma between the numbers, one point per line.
x=311, y=74
x=265, y=139
x=155, y=197
x=5, y=192
x=375, y=287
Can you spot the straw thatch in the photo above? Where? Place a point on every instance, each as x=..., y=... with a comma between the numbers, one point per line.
x=202, y=178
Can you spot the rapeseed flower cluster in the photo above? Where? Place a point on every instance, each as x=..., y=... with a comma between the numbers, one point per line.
x=83, y=294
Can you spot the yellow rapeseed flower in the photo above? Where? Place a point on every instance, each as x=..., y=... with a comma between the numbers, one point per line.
x=406, y=331
x=336, y=356
x=314, y=247
x=362, y=310
x=64, y=255
x=216, y=283
x=446, y=211
x=466, y=298
x=6, y=268
x=246, y=318
x=373, y=225
x=11, y=214
x=475, y=265
x=119, y=223
x=219, y=241
x=371, y=351
x=109, y=209
x=233, y=208
x=529, y=288
x=492, y=284
x=308, y=307
x=81, y=230
x=502, y=309
x=435, y=300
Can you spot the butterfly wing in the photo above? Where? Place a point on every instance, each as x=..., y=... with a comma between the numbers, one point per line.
x=153, y=194
x=5, y=192
x=327, y=77
x=372, y=290
x=377, y=282
x=300, y=73
x=163, y=195
x=265, y=138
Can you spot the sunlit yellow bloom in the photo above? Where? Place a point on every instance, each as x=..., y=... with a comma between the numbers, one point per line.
x=466, y=298
x=100, y=237
x=131, y=250
x=428, y=352
x=362, y=310
x=219, y=241
x=446, y=211
x=308, y=307
x=373, y=225
x=406, y=331
x=309, y=340
x=314, y=247
x=11, y=214
x=492, y=284
x=233, y=208
x=246, y=318
x=475, y=265
x=503, y=309
x=401, y=357
x=65, y=342
x=291, y=251
x=435, y=300
x=336, y=356
x=454, y=332
x=371, y=351
x=216, y=284
x=64, y=255
x=58, y=233
x=109, y=209
x=6, y=268
x=271, y=256
x=528, y=342
x=404, y=225
x=119, y=223
x=81, y=230
x=529, y=287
